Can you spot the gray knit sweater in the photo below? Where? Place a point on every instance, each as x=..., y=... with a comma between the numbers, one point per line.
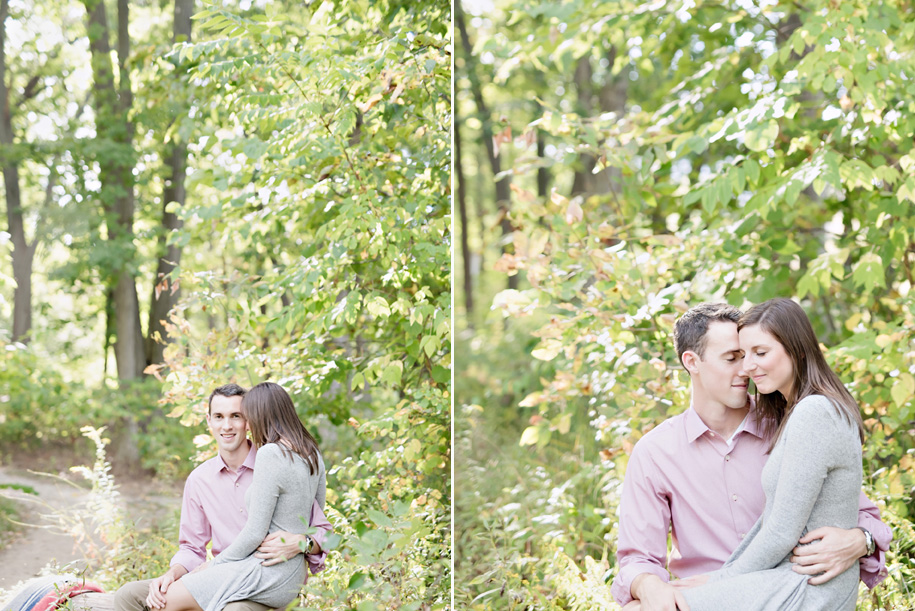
x=812, y=479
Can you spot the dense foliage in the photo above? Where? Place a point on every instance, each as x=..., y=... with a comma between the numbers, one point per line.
x=658, y=156
x=312, y=248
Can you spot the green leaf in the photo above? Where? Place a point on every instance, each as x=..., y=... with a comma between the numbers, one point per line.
x=392, y=373
x=547, y=350
x=530, y=436
x=356, y=580
x=345, y=123
x=761, y=136
x=751, y=166
x=855, y=173
x=868, y=272
x=906, y=190
x=903, y=389
x=254, y=148
x=378, y=307
x=379, y=518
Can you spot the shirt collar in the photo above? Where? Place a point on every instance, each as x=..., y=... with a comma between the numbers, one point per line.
x=251, y=457
x=695, y=427
x=248, y=463
x=752, y=427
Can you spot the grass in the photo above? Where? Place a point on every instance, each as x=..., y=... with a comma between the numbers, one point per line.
x=9, y=514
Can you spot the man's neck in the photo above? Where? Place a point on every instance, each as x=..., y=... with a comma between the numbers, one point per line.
x=721, y=419
x=235, y=459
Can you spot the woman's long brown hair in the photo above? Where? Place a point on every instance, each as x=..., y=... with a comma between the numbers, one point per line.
x=271, y=417
x=786, y=322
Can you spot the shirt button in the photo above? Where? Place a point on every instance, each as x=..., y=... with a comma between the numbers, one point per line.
x=742, y=535
x=239, y=511
x=727, y=458
x=236, y=485
x=734, y=497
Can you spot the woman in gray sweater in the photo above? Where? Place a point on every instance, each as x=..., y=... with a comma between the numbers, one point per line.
x=289, y=478
x=812, y=477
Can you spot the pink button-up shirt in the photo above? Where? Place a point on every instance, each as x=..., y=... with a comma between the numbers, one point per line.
x=213, y=510
x=683, y=478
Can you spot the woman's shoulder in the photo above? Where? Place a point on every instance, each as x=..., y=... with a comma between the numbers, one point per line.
x=814, y=403
x=814, y=411
x=270, y=450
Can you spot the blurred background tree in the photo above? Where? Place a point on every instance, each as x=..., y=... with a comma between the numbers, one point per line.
x=260, y=192
x=618, y=162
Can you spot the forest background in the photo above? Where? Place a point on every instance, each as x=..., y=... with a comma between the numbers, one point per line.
x=238, y=191
x=617, y=162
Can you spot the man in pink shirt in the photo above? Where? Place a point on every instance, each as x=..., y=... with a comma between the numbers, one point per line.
x=698, y=477
x=213, y=511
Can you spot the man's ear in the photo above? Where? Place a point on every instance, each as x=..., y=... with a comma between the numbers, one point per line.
x=691, y=362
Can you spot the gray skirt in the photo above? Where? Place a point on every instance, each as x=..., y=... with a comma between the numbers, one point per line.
x=275, y=586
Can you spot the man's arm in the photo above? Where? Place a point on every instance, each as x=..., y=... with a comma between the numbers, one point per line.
x=194, y=531
x=833, y=550
x=642, y=545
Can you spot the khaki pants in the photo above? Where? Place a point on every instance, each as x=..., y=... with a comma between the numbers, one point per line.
x=132, y=597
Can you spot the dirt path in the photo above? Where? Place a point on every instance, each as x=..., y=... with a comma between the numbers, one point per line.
x=38, y=545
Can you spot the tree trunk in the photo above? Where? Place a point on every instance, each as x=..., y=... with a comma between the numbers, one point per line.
x=23, y=252
x=113, y=128
x=610, y=97
x=116, y=177
x=583, y=180
x=465, y=226
x=503, y=189
x=543, y=173
x=169, y=256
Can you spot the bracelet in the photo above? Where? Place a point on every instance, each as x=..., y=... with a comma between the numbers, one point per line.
x=311, y=543
x=868, y=541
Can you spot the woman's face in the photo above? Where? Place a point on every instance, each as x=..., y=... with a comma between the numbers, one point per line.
x=765, y=361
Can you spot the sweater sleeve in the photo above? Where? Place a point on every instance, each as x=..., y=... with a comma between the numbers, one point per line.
x=803, y=470
x=264, y=491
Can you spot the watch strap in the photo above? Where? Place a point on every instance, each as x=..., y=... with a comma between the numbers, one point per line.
x=868, y=541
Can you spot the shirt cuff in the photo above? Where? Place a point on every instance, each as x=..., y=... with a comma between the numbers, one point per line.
x=873, y=569
x=186, y=558
x=316, y=562
x=621, y=588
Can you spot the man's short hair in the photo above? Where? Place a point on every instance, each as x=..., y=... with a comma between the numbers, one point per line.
x=691, y=328
x=227, y=390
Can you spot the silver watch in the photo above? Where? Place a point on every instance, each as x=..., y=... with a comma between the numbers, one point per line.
x=868, y=541
x=310, y=543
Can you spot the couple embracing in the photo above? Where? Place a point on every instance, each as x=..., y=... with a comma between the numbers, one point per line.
x=762, y=499
x=254, y=501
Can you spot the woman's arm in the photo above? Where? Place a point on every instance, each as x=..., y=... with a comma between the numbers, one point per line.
x=264, y=491
x=809, y=443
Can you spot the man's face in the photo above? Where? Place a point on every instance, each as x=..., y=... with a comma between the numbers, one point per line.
x=227, y=423
x=720, y=369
